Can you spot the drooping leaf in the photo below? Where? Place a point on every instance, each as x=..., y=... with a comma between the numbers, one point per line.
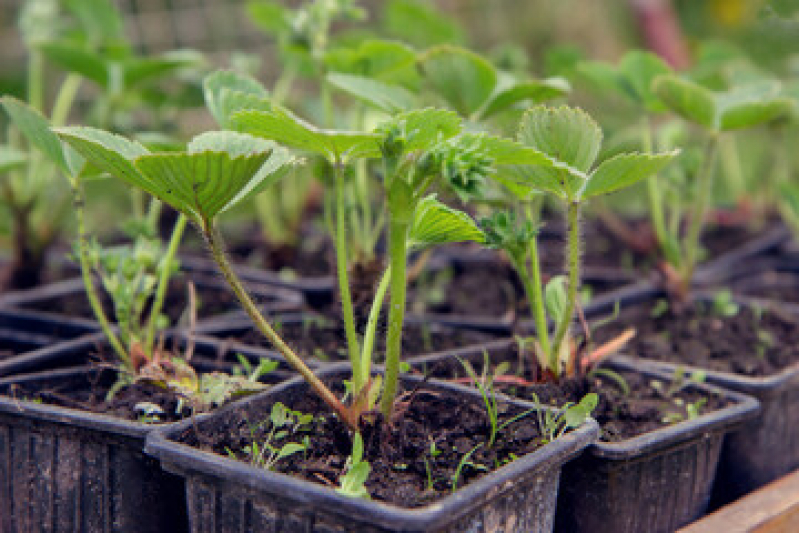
x=533, y=90
x=108, y=152
x=36, y=130
x=437, y=223
x=389, y=98
x=75, y=59
x=11, y=158
x=462, y=78
x=623, y=171
x=637, y=70
x=141, y=69
x=284, y=128
x=687, y=99
x=565, y=134
x=227, y=92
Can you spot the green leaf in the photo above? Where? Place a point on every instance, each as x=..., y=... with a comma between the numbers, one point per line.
x=389, y=98
x=464, y=79
x=417, y=22
x=291, y=131
x=290, y=449
x=11, y=158
x=422, y=129
x=227, y=92
x=387, y=61
x=552, y=180
x=623, y=171
x=357, y=449
x=515, y=92
x=100, y=19
x=72, y=58
x=271, y=17
x=576, y=415
x=751, y=105
x=436, y=223
x=637, y=70
x=36, y=130
x=141, y=69
x=687, y=99
x=108, y=152
x=565, y=134
x=504, y=151
x=556, y=298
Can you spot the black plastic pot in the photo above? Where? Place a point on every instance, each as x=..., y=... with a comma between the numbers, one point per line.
x=767, y=446
x=227, y=495
x=271, y=299
x=655, y=482
x=70, y=470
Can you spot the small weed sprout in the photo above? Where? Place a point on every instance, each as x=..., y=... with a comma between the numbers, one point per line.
x=284, y=424
x=352, y=483
x=553, y=424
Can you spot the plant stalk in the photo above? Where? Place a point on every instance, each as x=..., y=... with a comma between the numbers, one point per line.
x=163, y=281
x=654, y=194
x=397, y=239
x=371, y=325
x=697, y=224
x=64, y=100
x=358, y=379
x=531, y=280
x=573, y=267
x=217, y=251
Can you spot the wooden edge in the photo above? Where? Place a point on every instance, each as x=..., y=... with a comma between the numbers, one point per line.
x=771, y=509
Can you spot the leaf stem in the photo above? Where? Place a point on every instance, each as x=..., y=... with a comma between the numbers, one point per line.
x=397, y=241
x=66, y=96
x=573, y=267
x=358, y=379
x=163, y=281
x=697, y=223
x=654, y=194
x=371, y=325
x=217, y=250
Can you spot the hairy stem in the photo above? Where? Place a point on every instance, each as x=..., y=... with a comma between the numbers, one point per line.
x=574, y=245
x=217, y=250
x=358, y=380
x=371, y=325
x=535, y=295
x=397, y=242
x=163, y=280
x=88, y=282
x=697, y=223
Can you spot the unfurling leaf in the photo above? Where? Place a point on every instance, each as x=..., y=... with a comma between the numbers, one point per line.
x=436, y=223
x=227, y=92
x=566, y=134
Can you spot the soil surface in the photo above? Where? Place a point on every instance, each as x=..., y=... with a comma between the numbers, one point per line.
x=779, y=286
x=325, y=339
x=413, y=462
x=752, y=342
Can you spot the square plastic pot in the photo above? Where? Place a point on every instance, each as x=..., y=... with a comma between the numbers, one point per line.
x=64, y=470
x=655, y=482
x=228, y=495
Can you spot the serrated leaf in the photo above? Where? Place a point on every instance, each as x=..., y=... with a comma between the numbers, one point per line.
x=71, y=58
x=623, y=171
x=389, y=98
x=36, y=130
x=291, y=131
x=545, y=179
x=436, y=223
x=464, y=79
x=234, y=144
x=227, y=92
x=108, y=152
x=637, y=70
x=424, y=128
x=687, y=99
x=565, y=134
x=11, y=158
x=533, y=90
x=504, y=151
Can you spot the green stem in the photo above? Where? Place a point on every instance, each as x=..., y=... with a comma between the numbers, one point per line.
x=88, y=282
x=531, y=281
x=217, y=250
x=64, y=100
x=654, y=193
x=397, y=242
x=573, y=267
x=36, y=81
x=371, y=325
x=358, y=380
x=704, y=192
x=163, y=280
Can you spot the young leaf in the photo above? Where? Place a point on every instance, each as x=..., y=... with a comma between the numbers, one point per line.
x=623, y=171
x=389, y=98
x=555, y=297
x=108, y=152
x=565, y=134
x=686, y=98
x=138, y=70
x=575, y=415
x=464, y=79
x=282, y=127
x=637, y=70
x=387, y=61
x=290, y=449
x=751, y=105
x=503, y=151
x=36, y=130
x=536, y=91
x=71, y=58
x=227, y=92
x=422, y=129
x=436, y=223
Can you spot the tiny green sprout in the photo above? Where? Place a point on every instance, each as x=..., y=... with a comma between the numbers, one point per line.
x=464, y=462
x=352, y=483
x=660, y=308
x=553, y=424
x=284, y=424
x=253, y=372
x=724, y=304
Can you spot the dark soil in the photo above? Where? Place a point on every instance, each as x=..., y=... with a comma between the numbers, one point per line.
x=752, y=342
x=779, y=286
x=325, y=339
x=400, y=455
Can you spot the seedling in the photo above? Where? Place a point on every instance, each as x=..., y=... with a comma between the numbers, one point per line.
x=284, y=424
x=553, y=424
x=352, y=482
x=571, y=140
